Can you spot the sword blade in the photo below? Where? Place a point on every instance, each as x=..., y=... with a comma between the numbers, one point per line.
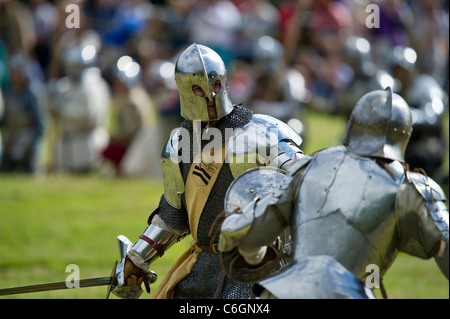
x=83, y=283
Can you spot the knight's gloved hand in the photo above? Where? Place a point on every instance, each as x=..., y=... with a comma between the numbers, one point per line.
x=235, y=227
x=129, y=278
x=135, y=276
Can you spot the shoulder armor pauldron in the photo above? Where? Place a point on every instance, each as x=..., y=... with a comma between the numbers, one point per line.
x=264, y=141
x=173, y=180
x=427, y=187
x=434, y=195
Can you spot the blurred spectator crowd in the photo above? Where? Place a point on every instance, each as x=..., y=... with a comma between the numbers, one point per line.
x=102, y=95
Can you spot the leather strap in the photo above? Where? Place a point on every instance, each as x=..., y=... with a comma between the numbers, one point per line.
x=220, y=285
x=160, y=248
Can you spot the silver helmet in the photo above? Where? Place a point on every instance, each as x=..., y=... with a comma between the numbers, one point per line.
x=202, y=66
x=379, y=126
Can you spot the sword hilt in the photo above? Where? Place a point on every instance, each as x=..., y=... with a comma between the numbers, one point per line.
x=119, y=285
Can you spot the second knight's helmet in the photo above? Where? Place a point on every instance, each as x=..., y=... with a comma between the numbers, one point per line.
x=202, y=66
x=379, y=126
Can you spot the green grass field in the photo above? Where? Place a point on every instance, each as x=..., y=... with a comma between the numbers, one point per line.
x=50, y=222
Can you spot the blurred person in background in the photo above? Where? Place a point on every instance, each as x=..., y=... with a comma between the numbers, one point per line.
x=427, y=147
x=127, y=112
x=44, y=16
x=134, y=132
x=3, y=83
x=16, y=27
x=22, y=121
x=79, y=106
x=314, y=36
x=2, y=110
x=259, y=18
x=364, y=74
x=429, y=36
x=3, y=65
x=395, y=21
x=160, y=84
x=278, y=89
x=130, y=19
x=216, y=24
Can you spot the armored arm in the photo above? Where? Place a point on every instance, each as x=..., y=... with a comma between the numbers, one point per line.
x=284, y=142
x=424, y=233
x=169, y=222
x=156, y=239
x=248, y=247
x=257, y=226
x=264, y=218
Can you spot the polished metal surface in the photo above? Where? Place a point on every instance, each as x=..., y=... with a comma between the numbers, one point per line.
x=160, y=237
x=379, y=126
x=265, y=141
x=202, y=66
x=173, y=180
x=316, y=277
x=252, y=185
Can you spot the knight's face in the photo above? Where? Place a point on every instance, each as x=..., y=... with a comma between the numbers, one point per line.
x=210, y=104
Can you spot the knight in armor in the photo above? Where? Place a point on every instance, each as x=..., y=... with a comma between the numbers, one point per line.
x=349, y=208
x=195, y=185
x=363, y=76
x=278, y=89
x=427, y=147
